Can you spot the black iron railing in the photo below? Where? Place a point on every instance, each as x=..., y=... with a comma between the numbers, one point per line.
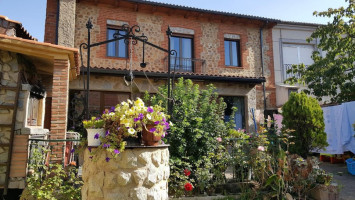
x=181, y=64
x=55, y=150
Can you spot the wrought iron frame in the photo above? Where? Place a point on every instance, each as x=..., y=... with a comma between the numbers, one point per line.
x=129, y=36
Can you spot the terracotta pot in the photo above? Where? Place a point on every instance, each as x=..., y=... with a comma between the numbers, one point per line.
x=148, y=138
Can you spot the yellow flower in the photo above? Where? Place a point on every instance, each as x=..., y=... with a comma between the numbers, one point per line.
x=149, y=116
x=129, y=101
x=139, y=103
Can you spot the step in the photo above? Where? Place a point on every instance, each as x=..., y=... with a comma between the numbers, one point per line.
x=4, y=145
x=7, y=106
x=2, y=125
x=3, y=164
x=3, y=87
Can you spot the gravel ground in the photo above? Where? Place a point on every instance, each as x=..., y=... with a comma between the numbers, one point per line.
x=346, y=181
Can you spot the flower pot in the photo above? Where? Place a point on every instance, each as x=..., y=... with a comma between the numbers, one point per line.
x=92, y=142
x=148, y=138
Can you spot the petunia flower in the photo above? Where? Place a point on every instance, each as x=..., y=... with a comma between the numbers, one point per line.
x=89, y=149
x=149, y=116
x=152, y=129
x=116, y=151
x=131, y=131
x=140, y=116
x=72, y=150
x=150, y=109
x=219, y=139
x=107, y=132
x=90, y=157
x=107, y=159
x=156, y=122
x=261, y=148
x=96, y=136
x=106, y=145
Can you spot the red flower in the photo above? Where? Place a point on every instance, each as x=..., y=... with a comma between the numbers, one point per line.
x=188, y=187
x=187, y=172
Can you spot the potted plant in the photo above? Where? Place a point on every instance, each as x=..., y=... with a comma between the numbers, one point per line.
x=126, y=121
x=95, y=130
x=155, y=125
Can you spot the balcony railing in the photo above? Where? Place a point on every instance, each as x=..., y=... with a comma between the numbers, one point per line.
x=49, y=148
x=286, y=75
x=181, y=64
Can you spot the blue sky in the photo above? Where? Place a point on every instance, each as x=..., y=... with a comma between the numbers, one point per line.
x=32, y=13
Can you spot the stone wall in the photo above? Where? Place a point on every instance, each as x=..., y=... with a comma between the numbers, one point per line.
x=9, y=68
x=137, y=174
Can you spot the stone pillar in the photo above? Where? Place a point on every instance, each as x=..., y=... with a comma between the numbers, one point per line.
x=66, y=22
x=60, y=93
x=136, y=174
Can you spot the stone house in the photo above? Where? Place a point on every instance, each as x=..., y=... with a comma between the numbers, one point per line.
x=34, y=82
x=213, y=47
x=290, y=48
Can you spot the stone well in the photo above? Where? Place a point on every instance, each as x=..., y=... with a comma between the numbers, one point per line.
x=138, y=173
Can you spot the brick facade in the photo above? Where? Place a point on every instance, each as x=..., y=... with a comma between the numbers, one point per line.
x=50, y=32
x=209, y=30
x=59, y=105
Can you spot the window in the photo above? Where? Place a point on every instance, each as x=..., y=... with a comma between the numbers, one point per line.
x=34, y=112
x=232, y=53
x=118, y=48
x=183, y=60
x=239, y=117
x=294, y=54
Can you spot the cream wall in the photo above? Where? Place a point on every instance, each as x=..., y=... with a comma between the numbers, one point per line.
x=282, y=34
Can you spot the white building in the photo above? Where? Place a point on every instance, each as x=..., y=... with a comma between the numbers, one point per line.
x=290, y=47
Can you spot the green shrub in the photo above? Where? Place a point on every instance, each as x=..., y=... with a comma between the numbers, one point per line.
x=304, y=115
x=197, y=132
x=50, y=181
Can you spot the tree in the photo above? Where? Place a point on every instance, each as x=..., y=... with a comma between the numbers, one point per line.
x=304, y=115
x=332, y=74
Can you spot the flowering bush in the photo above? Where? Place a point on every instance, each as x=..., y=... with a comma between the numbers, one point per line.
x=93, y=123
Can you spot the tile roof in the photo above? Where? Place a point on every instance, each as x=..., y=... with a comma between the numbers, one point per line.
x=20, y=30
x=44, y=44
x=140, y=72
x=188, y=8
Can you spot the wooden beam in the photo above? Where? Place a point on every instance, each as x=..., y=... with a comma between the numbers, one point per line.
x=136, y=7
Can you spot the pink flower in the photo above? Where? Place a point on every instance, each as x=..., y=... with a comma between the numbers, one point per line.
x=219, y=139
x=261, y=148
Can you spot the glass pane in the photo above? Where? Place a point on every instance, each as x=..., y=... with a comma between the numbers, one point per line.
x=122, y=47
x=175, y=45
x=226, y=53
x=186, y=48
x=111, y=45
x=239, y=117
x=186, y=54
x=239, y=114
x=234, y=54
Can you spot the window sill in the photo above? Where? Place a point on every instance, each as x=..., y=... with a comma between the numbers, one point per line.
x=233, y=67
x=115, y=58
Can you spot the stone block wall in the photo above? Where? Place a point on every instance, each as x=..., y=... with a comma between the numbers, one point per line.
x=137, y=174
